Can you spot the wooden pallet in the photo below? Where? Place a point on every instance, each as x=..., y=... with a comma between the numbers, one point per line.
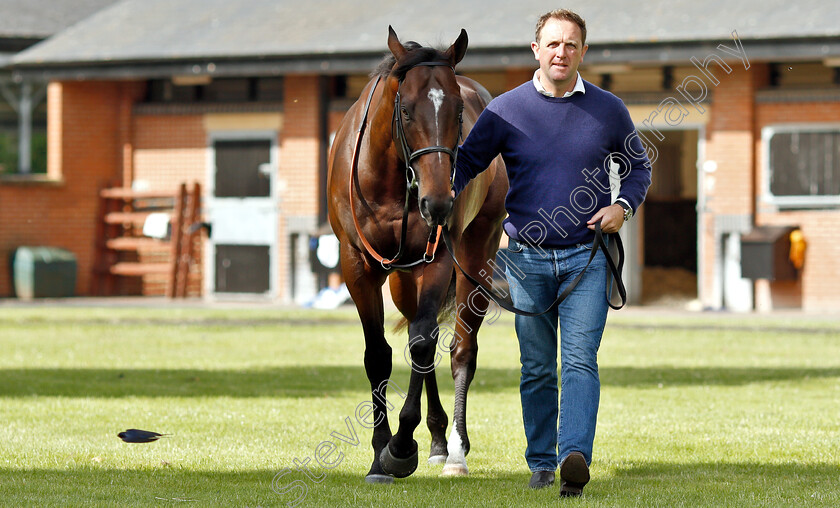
x=123, y=212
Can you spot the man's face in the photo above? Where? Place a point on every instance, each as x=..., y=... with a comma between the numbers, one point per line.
x=560, y=52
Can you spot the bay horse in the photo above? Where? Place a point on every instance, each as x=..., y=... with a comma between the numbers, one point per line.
x=391, y=168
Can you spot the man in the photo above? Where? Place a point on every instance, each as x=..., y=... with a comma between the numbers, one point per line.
x=559, y=136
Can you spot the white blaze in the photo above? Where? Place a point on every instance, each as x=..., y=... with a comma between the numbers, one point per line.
x=436, y=96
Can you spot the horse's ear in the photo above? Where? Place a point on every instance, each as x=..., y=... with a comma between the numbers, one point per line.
x=458, y=48
x=394, y=44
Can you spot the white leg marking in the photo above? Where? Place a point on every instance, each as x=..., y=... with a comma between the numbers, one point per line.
x=456, y=463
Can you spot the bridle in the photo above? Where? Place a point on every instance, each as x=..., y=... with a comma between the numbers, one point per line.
x=398, y=132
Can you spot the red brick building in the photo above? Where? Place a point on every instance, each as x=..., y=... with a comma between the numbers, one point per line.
x=740, y=111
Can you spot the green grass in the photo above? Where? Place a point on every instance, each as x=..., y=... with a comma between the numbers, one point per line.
x=696, y=410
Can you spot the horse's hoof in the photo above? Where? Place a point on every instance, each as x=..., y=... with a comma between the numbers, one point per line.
x=400, y=468
x=379, y=479
x=455, y=470
x=435, y=460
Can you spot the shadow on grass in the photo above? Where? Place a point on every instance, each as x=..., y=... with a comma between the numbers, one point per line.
x=320, y=381
x=658, y=484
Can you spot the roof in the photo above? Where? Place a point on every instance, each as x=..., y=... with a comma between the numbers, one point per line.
x=329, y=35
x=38, y=19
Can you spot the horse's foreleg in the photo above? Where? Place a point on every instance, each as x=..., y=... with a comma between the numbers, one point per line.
x=378, y=369
x=404, y=293
x=366, y=289
x=400, y=456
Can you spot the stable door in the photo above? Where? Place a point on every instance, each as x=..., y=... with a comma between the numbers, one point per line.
x=243, y=215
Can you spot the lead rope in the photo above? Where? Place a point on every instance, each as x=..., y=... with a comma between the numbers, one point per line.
x=597, y=243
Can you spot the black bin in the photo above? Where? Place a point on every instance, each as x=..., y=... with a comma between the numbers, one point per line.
x=765, y=253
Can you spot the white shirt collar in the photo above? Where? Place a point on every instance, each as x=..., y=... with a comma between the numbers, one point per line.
x=541, y=89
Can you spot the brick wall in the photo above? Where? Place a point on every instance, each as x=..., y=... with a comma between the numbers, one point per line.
x=819, y=289
x=169, y=150
x=300, y=155
x=83, y=156
x=730, y=139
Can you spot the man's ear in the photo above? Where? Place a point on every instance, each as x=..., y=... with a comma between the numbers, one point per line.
x=535, y=47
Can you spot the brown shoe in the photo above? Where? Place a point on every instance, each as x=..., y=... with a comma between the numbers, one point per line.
x=574, y=474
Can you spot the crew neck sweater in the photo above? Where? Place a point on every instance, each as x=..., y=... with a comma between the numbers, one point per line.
x=558, y=153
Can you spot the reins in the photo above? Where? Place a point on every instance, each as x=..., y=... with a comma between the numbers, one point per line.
x=597, y=243
x=408, y=156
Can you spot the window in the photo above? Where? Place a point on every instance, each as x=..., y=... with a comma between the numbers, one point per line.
x=219, y=90
x=243, y=169
x=803, y=165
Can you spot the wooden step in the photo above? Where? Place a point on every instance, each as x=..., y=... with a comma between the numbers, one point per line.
x=125, y=193
x=139, y=269
x=137, y=243
x=136, y=218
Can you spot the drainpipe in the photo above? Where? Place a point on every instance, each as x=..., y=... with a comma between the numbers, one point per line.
x=25, y=128
x=23, y=103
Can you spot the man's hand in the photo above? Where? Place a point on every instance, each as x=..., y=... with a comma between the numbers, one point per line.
x=611, y=217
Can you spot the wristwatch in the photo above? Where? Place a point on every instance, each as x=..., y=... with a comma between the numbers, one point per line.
x=628, y=212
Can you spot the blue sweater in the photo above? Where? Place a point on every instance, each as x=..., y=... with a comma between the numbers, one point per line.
x=558, y=154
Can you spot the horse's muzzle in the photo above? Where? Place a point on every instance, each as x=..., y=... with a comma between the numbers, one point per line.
x=436, y=211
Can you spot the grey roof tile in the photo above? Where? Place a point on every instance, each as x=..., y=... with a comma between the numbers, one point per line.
x=139, y=30
x=37, y=19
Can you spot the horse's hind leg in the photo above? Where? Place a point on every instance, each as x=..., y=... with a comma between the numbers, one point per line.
x=464, y=352
x=471, y=308
x=366, y=289
x=436, y=420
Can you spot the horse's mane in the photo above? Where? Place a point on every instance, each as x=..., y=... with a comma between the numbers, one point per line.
x=416, y=54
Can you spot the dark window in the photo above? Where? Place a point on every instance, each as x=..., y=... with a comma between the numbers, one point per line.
x=160, y=90
x=227, y=90
x=219, y=90
x=242, y=268
x=804, y=164
x=242, y=168
x=269, y=89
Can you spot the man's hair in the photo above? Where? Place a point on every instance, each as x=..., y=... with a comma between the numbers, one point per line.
x=561, y=14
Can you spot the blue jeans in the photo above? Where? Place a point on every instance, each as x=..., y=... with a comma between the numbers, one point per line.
x=537, y=276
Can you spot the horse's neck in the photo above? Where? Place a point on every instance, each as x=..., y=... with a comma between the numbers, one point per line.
x=379, y=126
x=381, y=153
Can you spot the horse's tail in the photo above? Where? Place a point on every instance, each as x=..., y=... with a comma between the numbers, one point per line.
x=446, y=314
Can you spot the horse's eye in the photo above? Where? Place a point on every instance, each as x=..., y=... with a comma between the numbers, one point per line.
x=405, y=114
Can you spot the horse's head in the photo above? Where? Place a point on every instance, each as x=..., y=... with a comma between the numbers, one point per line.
x=427, y=120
